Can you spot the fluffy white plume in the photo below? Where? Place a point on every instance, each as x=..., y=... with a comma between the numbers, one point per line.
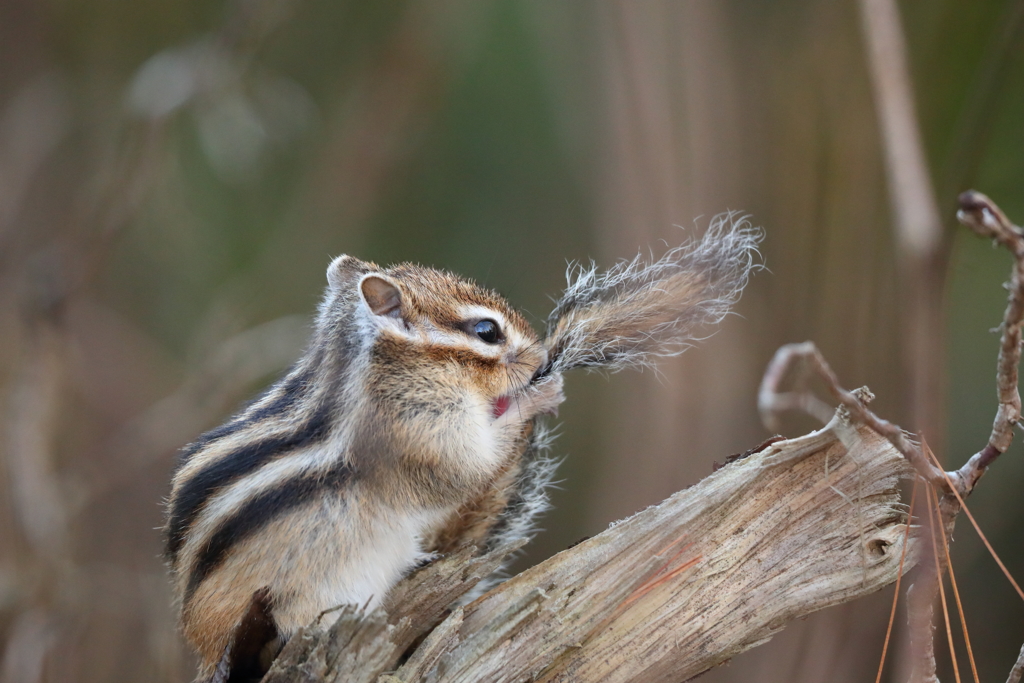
x=627, y=316
x=639, y=310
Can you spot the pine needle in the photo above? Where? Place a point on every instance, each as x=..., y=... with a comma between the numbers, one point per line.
x=899, y=578
x=991, y=550
x=956, y=594
x=935, y=519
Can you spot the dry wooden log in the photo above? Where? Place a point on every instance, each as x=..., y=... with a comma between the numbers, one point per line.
x=667, y=594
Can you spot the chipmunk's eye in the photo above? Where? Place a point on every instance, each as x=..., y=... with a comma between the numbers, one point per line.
x=488, y=331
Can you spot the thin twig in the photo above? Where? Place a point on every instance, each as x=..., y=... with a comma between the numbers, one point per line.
x=771, y=402
x=980, y=214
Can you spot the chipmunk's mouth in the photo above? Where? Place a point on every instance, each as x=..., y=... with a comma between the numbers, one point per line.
x=500, y=406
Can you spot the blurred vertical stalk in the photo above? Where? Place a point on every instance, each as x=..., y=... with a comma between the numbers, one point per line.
x=916, y=214
x=642, y=201
x=31, y=424
x=671, y=115
x=36, y=498
x=919, y=239
x=34, y=538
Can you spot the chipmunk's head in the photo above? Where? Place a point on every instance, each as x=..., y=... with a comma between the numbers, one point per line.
x=439, y=342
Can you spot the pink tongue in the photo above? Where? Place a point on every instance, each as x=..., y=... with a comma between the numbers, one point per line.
x=500, y=406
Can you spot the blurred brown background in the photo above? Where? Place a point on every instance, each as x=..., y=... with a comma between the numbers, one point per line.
x=176, y=174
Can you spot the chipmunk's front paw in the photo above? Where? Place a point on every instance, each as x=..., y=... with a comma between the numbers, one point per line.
x=546, y=395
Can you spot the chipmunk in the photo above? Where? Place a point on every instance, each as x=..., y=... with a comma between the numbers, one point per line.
x=407, y=430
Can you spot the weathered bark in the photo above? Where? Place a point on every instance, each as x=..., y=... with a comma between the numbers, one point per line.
x=662, y=596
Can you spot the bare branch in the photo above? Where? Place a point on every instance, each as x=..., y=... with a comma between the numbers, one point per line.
x=980, y=214
x=910, y=187
x=771, y=401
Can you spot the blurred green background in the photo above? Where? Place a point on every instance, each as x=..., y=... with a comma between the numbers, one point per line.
x=176, y=175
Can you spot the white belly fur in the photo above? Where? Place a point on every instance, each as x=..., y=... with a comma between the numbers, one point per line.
x=349, y=565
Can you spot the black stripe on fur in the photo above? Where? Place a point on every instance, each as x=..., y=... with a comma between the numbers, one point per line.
x=257, y=513
x=185, y=506
x=291, y=389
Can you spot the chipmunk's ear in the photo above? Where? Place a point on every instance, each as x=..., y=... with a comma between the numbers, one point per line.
x=345, y=270
x=381, y=295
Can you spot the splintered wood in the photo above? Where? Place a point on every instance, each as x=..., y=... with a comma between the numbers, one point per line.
x=662, y=596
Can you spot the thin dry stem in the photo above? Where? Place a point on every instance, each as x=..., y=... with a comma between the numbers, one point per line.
x=980, y=214
x=771, y=401
x=984, y=539
x=918, y=229
x=910, y=187
x=921, y=626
